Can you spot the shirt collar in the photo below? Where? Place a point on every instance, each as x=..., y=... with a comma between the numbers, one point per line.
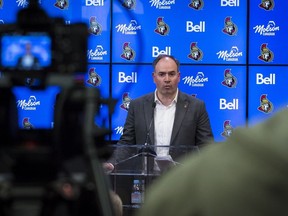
x=156, y=99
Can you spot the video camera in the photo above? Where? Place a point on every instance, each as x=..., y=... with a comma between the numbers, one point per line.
x=37, y=45
x=46, y=49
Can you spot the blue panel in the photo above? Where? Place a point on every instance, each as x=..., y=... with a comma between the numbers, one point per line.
x=223, y=88
x=35, y=107
x=184, y=31
x=268, y=87
x=268, y=29
x=129, y=82
x=98, y=76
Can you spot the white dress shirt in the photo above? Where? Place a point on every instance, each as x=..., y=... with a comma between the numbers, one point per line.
x=163, y=121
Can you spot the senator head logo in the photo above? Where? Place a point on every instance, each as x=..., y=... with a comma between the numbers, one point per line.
x=129, y=4
x=62, y=4
x=227, y=129
x=93, y=78
x=267, y=5
x=196, y=53
x=125, y=101
x=265, y=105
x=128, y=53
x=229, y=81
x=94, y=27
x=196, y=4
x=27, y=124
x=162, y=28
x=266, y=54
x=230, y=28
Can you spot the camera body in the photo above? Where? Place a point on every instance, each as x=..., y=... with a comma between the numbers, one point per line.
x=37, y=45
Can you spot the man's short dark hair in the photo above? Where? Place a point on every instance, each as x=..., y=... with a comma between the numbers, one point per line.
x=161, y=56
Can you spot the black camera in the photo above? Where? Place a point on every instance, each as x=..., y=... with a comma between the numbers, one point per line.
x=44, y=48
x=37, y=45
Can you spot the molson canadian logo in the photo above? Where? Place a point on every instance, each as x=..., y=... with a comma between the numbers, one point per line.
x=269, y=30
x=31, y=104
x=197, y=81
x=131, y=29
x=232, y=55
x=164, y=4
x=22, y=3
x=267, y=5
x=196, y=4
x=97, y=54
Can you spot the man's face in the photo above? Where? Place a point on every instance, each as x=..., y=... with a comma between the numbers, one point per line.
x=166, y=77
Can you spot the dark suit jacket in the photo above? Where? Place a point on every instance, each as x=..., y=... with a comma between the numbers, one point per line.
x=191, y=125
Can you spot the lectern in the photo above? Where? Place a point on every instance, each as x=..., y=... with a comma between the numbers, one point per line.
x=143, y=165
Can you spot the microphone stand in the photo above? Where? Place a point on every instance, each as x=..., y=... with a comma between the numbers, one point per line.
x=146, y=151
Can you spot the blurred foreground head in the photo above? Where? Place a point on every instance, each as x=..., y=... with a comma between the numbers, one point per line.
x=245, y=175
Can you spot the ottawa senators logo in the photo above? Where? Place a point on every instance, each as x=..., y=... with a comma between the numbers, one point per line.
x=129, y=4
x=162, y=28
x=195, y=52
x=229, y=81
x=93, y=78
x=125, y=101
x=196, y=4
x=266, y=54
x=128, y=53
x=94, y=28
x=229, y=27
x=265, y=105
x=227, y=129
x=62, y=4
x=27, y=124
x=267, y=5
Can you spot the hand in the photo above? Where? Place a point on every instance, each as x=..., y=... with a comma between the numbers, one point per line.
x=108, y=167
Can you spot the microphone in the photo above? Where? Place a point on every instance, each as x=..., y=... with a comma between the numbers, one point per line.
x=147, y=149
x=150, y=125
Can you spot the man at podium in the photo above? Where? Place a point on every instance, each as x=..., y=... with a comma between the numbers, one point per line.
x=165, y=117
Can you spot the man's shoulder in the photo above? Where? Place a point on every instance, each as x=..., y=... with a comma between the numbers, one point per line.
x=143, y=98
x=185, y=96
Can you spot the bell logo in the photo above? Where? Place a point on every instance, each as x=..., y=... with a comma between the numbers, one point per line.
x=230, y=3
x=190, y=27
x=127, y=79
x=156, y=51
x=260, y=79
x=94, y=2
x=234, y=105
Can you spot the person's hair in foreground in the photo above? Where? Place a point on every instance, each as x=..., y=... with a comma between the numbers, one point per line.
x=245, y=175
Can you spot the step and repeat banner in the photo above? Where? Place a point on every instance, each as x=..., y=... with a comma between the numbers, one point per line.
x=233, y=55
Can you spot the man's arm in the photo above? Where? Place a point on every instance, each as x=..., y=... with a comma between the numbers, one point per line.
x=204, y=132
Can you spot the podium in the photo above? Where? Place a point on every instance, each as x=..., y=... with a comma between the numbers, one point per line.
x=141, y=164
